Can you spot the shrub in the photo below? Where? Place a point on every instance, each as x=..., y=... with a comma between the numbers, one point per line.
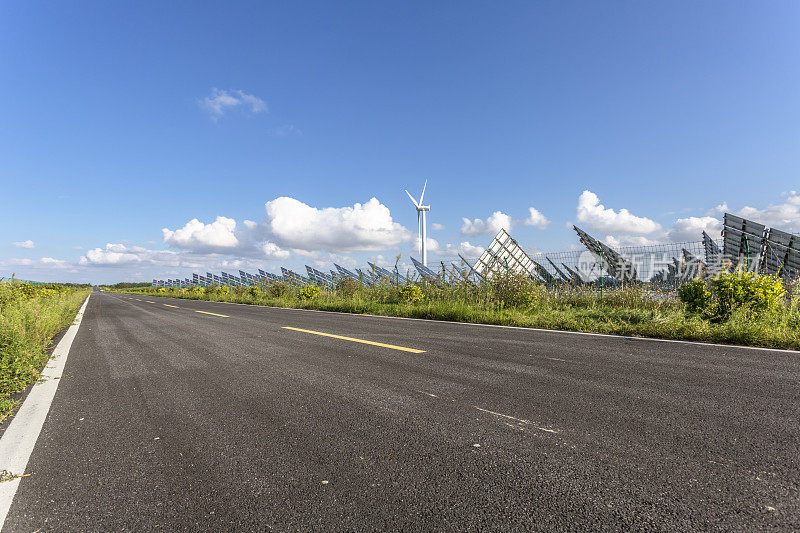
x=198, y=290
x=512, y=289
x=347, y=287
x=309, y=292
x=279, y=290
x=222, y=291
x=161, y=289
x=254, y=291
x=411, y=294
x=736, y=289
x=696, y=296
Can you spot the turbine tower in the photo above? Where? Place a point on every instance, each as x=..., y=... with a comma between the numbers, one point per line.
x=421, y=209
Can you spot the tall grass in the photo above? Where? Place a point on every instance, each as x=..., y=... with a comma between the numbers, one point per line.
x=30, y=316
x=634, y=310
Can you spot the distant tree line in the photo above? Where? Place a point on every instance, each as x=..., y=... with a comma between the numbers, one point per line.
x=129, y=285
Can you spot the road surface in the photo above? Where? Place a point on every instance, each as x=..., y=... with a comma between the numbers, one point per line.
x=186, y=415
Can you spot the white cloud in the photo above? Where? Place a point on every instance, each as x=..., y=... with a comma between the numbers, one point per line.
x=23, y=244
x=54, y=263
x=119, y=254
x=293, y=224
x=273, y=251
x=594, y=214
x=783, y=216
x=431, y=244
x=469, y=251
x=617, y=241
x=691, y=228
x=536, y=219
x=437, y=227
x=196, y=236
x=219, y=101
x=497, y=221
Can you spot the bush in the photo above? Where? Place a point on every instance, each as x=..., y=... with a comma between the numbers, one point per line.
x=254, y=291
x=222, y=291
x=736, y=289
x=279, y=290
x=309, y=292
x=513, y=289
x=696, y=296
x=411, y=294
x=161, y=289
x=347, y=287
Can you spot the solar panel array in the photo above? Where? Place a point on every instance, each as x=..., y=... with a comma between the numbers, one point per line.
x=745, y=244
x=320, y=278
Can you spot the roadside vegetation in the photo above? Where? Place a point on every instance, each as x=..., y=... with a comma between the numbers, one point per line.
x=30, y=316
x=735, y=308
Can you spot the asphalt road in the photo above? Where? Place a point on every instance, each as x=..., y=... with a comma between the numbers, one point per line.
x=168, y=418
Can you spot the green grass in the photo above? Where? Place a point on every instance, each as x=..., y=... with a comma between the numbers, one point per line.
x=632, y=311
x=30, y=316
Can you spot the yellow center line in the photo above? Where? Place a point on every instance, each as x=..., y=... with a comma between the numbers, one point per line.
x=148, y=301
x=175, y=306
x=392, y=346
x=215, y=314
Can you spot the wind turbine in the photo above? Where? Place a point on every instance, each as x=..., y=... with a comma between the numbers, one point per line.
x=421, y=209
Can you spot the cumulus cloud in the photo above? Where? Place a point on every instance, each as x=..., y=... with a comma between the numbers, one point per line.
x=536, y=219
x=497, y=221
x=783, y=216
x=469, y=251
x=432, y=245
x=692, y=228
x=595, y=215
x=220, y=101
x=197, y=236
x=368, y=226
x=23, y=244
x=616, y=241
x=120, y=254
x=273, y=251
x=437, y=227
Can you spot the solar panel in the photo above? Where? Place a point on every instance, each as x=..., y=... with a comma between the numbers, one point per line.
x=424, y=271
x=558, y=270
x=346, y=273
x=504, y=255
x=617, y=266
x=742, y=241
x=543, y=273
x=576, y=278
x=781, y=254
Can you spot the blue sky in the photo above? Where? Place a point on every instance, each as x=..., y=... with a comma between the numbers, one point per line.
x=120, y=120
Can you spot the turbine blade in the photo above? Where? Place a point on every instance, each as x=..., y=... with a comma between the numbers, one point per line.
x=421, y=196
x=412, y=199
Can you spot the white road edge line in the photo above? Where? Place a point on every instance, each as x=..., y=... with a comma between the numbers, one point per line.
x=541, y=330
x=21, y=435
